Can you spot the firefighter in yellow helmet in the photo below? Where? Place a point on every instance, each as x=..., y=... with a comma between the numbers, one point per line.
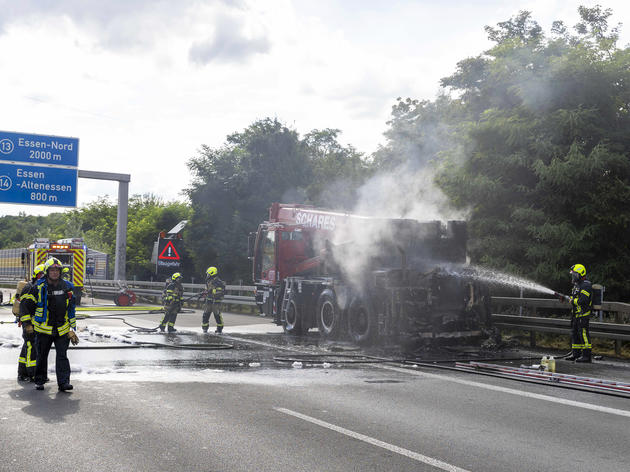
x=215, y=289
x=581, y=308
x=28, y=354
x=172, y=302
x=50, y=307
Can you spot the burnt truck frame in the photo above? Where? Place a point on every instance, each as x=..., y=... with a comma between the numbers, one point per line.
x=409, y=293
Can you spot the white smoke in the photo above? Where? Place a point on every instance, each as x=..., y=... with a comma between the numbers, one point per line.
x=408, y=191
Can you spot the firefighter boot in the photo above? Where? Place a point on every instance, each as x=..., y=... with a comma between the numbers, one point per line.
x=585, y=357
x=575, y=354
x=171, y=329
x=161, y=328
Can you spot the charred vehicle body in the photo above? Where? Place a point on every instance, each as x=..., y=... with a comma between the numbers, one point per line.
x=372, y=280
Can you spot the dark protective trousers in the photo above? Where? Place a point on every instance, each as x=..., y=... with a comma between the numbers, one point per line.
x=28, y=356
x=170, y=315
x=580, y=334
x=62, y=365
x=212, y=308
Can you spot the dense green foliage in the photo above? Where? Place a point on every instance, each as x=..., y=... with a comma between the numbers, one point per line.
x=96, y=223
x=534, y=142
x=234, y=186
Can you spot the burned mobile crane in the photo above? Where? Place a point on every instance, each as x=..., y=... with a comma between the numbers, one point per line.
x=364, y=278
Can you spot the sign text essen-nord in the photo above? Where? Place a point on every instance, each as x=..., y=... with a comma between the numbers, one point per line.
x=38, y=170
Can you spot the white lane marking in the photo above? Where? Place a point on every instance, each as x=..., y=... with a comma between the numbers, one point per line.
x=537, y=396
x=375, y=442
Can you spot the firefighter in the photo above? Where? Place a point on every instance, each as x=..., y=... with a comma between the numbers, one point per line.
x=215, y=289
x=172, y=302
x=581, y=305
x=49, y=308
x=26, y=361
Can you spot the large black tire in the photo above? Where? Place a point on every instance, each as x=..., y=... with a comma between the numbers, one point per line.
x=361, y=322
x=329, y=316
x=294, y=324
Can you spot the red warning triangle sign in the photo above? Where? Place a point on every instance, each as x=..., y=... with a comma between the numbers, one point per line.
x=169, y=252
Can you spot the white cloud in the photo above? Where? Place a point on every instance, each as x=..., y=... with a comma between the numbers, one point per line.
x=229, y=43
x=144, y=83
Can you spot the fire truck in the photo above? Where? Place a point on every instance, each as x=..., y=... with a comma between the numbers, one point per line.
x=370, y=280
x=71, y=252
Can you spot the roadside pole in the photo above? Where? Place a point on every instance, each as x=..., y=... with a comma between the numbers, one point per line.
x=121, y=218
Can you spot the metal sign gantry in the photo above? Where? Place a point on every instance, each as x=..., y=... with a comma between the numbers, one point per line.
x=121, y=216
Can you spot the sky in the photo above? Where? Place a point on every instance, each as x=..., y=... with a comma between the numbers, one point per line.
x=143, y=84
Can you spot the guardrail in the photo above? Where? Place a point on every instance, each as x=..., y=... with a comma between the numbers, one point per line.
x=618, y=329
x=235, y=294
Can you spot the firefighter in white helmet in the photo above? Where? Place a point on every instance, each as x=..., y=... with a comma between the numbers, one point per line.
x=215, y=289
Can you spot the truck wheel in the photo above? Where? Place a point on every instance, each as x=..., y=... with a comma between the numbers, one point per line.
x=361, y=322
x=294, y=324
x=329, y=316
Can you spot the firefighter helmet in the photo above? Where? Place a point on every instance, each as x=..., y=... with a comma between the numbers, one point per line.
x=578, y=272
x=212, y=271
x=176, y=276
x=580, y=269
x=52, y=262
x=38, y=270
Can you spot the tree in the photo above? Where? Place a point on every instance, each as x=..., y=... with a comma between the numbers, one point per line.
x=543, y=164
x=96, y=224
x=234, y=186
x=148, y=215
x=337, y=171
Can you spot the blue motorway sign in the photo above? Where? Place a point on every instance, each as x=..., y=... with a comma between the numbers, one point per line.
x=39, y=149
x=38, y=185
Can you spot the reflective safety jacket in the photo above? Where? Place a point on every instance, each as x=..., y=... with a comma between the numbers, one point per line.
x=48, y=307
x=24, y=314
x=215, y=288
x=582, y=299
x=173, y=293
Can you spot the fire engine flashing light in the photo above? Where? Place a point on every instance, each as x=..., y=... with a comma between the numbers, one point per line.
x=59, y=246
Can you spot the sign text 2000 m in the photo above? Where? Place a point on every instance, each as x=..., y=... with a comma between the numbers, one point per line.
x=39, y=149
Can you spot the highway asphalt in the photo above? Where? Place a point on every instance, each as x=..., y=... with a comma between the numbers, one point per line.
x=240, y=409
